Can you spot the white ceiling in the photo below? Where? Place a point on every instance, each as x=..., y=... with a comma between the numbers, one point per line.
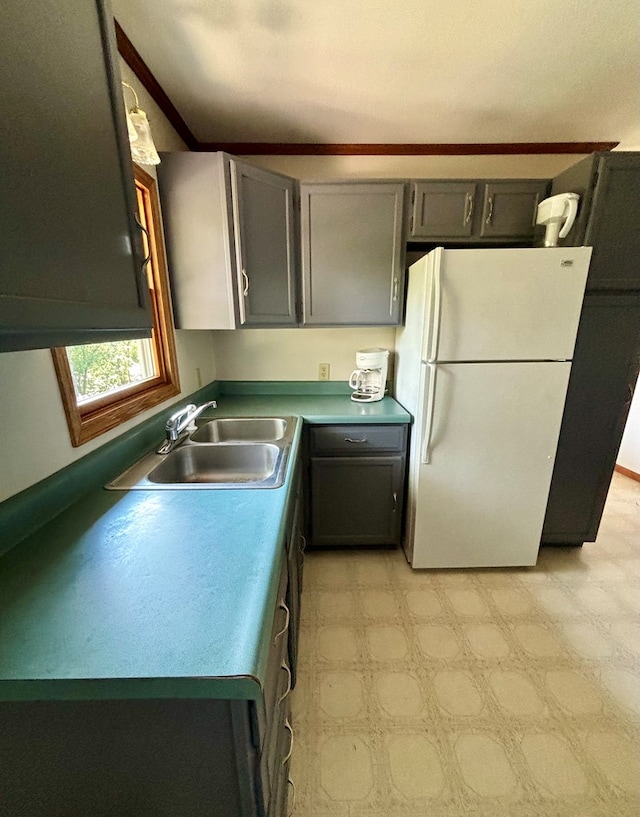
x=395, y=70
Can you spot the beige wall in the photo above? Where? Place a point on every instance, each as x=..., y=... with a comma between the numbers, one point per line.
x=294, y=354
x=417, y=167
x=35, y=436
x=629, y=454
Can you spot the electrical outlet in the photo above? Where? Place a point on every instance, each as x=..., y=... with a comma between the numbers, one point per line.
x=323, y=371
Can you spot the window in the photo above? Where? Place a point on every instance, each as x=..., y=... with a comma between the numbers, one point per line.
x=104, y=384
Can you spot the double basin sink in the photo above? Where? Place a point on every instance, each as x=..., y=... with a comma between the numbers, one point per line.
x=246, y=452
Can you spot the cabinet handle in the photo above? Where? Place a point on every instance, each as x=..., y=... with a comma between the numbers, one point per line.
x=289, y=728
x=283, y=606
x=394, y=297
x=350, y=440
x=468, y=208
x=304, y=542
x=490, y=213
x=395, y=501
x=245, y=278
x=286, y=667
x=293, y=799
x=148, y=237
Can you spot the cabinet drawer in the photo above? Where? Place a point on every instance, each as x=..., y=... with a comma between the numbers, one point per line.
x=357, y=439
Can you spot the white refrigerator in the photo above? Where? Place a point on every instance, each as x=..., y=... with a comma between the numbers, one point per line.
x=483, y=363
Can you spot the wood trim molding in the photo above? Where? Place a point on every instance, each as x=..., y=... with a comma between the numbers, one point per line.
x=140, y=68
x=444, y=149
x=627, y=472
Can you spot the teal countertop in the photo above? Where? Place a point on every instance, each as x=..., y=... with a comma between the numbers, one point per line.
x=145, y=594
x=313, y=408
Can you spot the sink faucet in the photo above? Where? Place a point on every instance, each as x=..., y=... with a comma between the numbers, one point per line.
x=178, y=425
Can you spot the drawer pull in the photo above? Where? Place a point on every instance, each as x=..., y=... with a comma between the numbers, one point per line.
x=351, y=440
x=283, y=606
x=286, y=667
x=293, y=799
x=289, y=728
x=395, y=501
x=490, y=211
x=468, y=206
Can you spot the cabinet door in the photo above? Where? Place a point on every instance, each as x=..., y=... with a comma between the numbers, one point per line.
x=352, y=253
x=442, y=210
x=356, y=500
x=509, y=209
x=613, y=229
x=70, y=250
x=265, y=235
x=608, y=217
x=603, y=375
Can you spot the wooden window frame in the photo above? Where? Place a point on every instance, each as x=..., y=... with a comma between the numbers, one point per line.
x=95, y=417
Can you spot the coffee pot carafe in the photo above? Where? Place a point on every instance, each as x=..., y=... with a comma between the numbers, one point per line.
x=369, y=380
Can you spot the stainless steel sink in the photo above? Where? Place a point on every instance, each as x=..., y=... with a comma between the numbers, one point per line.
x=219, y=464
x=241, y=429
x=222, y=453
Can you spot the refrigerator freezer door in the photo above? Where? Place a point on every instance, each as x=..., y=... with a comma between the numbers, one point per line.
x=481, y=499
x=507, y=304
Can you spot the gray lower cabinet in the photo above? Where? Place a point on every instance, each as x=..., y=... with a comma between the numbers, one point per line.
x=352, y=253
x=158, y=757
x=232, y=241
x=356, y=484
x=71, y=265
x=475, y=211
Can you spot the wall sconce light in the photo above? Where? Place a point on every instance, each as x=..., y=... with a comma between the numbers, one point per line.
x=143, y=151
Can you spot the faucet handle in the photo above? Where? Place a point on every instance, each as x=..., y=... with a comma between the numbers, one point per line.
x=174, y=421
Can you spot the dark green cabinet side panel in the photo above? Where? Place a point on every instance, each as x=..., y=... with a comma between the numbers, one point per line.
x=70, y=251
x=601, y=385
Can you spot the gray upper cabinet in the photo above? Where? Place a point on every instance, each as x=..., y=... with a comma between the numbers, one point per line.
x=475, y=211
x=352, y=253
x=266, y=239
x=232, y=238
x=442, y=210
x=608, y=216
x=71, y=267
x=509, y=209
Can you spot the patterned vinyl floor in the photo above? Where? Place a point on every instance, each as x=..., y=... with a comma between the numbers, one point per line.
x=494, y=693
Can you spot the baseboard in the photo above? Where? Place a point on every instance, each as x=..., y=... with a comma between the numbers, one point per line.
x=628, y=472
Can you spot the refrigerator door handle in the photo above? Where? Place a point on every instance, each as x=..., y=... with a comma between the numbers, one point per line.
x=428, y=414
x=434, y=338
